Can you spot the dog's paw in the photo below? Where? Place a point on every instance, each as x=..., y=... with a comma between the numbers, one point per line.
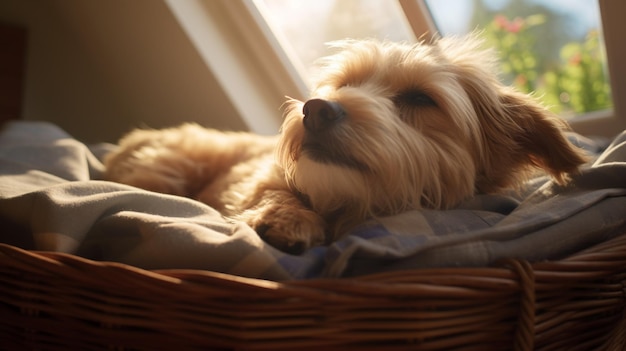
x=290, y=229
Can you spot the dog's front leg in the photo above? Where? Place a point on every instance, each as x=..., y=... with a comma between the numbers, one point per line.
x=256, y=192
x=283, y=220
x=271, y=208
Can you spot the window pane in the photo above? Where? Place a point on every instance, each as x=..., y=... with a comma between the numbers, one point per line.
x=551, y=47
x=307, y=25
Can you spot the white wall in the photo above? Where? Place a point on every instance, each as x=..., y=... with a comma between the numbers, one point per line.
x=98, y=68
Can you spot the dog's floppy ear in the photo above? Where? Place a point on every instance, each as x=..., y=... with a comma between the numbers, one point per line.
x=518, y=132
x=541, y=135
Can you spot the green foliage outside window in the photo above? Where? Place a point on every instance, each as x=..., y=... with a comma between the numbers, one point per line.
x=577, y=84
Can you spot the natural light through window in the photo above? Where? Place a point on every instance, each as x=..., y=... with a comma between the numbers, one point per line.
x=307, y=26
x=552, y=48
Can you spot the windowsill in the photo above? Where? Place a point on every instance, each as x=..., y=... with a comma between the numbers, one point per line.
x=599, y=123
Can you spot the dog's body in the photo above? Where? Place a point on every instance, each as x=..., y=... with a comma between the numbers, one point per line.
x=390, y=127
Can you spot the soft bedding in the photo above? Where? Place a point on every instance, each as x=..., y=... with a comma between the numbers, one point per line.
x=52, y=198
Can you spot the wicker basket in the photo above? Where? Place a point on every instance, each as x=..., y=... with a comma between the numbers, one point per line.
x=53, y=301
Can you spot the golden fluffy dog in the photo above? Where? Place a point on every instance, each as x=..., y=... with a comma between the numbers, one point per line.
x=389, y=127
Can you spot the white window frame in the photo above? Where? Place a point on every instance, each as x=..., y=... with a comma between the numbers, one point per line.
x=249, y=60
x=244, y=56
x=611, y=122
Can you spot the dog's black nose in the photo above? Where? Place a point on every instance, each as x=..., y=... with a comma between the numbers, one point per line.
x=320, y=114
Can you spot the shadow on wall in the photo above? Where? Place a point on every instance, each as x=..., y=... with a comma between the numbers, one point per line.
x=98, y=69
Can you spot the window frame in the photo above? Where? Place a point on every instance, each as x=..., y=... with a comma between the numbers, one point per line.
x=608, y=123
x=274, y=72
x=244, y=56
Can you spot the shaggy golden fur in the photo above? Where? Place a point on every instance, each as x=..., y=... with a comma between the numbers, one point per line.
x=389, y=127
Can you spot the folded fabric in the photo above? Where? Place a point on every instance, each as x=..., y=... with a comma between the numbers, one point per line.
x=52, y=197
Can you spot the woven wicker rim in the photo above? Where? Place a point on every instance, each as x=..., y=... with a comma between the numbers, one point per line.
x=573, y=303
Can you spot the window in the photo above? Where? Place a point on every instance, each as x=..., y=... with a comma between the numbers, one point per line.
x=554, y=48
x=307, y=26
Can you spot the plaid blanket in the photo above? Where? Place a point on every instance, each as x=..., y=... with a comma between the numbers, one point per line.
x=52, y=198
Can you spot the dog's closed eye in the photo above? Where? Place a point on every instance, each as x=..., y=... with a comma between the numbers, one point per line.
x=413, y=98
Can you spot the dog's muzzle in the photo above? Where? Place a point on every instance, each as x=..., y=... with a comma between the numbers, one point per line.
x=319, y=143
x=320, y=115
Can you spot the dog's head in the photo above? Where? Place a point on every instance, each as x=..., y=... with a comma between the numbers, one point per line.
x=392, y=127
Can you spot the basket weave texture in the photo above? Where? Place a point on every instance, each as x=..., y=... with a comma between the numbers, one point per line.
x=54, y=301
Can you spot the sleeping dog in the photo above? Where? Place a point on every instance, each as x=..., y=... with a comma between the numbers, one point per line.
x=388, y=128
